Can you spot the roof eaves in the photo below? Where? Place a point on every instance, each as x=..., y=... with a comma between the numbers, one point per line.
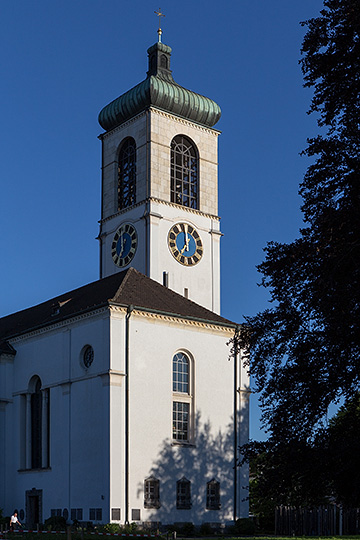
x=57, y=320
x=226, y=324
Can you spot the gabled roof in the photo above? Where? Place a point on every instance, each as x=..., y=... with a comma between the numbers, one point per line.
x=126, y=288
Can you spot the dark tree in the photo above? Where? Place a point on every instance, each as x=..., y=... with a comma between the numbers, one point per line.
x=308, y=473
x=342, y=451
x=304, y=350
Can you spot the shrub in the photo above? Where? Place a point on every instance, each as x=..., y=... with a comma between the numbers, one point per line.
x=244, y=527
x=187, y=529
x=205, y=529
x=55, y=523
x=3, y=519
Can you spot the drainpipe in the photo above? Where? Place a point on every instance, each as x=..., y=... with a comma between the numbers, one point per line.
x=100, y=238
x=235, y=419
x=127, y=354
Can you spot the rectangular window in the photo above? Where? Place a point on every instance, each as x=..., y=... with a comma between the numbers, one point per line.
x=115, y=514
x=135, y=514
x=183, y=494
x=95, y=514
x=152, y=493
x=181, y=421
x=213, y=495
x=76, y=514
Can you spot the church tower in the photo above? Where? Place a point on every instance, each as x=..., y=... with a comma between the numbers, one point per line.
x=159, y=209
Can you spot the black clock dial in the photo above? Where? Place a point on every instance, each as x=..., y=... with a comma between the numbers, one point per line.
x=124, y=244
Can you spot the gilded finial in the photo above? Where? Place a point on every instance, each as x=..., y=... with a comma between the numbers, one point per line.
x=159, y=14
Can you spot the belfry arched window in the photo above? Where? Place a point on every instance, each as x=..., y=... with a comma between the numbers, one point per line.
x=184, y=172
x=127, y=174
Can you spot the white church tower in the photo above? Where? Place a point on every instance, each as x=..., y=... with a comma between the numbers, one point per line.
x=159, y=184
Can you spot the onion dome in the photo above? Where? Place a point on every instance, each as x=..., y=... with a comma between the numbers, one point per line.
x=161, y=91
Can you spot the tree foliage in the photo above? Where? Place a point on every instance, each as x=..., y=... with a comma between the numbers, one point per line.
x=304, y=350
x=308, y=473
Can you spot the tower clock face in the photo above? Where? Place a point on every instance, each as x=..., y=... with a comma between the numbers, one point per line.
x=185, y=244
x=124, y=245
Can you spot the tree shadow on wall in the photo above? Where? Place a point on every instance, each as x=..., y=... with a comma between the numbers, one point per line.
x=212, y=457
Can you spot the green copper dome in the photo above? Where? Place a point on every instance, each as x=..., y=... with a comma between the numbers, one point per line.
x=160, y=90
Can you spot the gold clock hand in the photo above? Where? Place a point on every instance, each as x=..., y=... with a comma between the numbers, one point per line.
x=186, y=247
x=187, y=239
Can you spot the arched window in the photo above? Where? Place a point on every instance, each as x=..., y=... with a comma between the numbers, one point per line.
x=184, y=172
x=163, y=61
x=36, y=425
x=35, y=414
x=182, y=411
x=127, y=174
x=181, y=373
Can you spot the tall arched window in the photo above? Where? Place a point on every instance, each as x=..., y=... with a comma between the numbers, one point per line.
x=182, y=399
x=127, y=174
x=184, y=172
x=36, y=424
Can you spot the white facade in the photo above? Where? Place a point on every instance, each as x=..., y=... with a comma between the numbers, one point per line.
x=87, y=437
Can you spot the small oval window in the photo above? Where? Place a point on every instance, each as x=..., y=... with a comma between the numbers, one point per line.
x=88, y=356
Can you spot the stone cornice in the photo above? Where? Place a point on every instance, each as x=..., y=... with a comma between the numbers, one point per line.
x=6, y=358
x=109, y=375
x=160, y=201
x=168, y=318
x=121, y=126
x=165, y=114
x=186, y=208
x=183, y=121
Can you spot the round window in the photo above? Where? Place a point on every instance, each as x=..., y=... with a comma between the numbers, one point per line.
x=88, y=356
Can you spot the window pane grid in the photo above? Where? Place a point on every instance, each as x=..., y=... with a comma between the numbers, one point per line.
x=127, y=174
x=152, y=493
x=213, y=495
x=184, y=172
x=183, y=495
x=181, y=373
x=180, y=421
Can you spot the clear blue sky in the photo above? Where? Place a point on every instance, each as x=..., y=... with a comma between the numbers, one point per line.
x=62, y=61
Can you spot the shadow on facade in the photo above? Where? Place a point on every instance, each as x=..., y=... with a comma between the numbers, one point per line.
x=211, y=458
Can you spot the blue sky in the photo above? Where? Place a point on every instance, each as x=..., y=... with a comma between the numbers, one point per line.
x=62, y=61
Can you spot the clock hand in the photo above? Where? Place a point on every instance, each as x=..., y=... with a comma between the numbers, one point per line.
x=187, y=239
x=122, y=245
x=186, y=247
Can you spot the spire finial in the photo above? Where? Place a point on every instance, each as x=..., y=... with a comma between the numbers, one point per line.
x=159, y=14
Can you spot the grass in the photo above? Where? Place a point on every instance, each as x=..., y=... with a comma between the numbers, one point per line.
x=77, y=535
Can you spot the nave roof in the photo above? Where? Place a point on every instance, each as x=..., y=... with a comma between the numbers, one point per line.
x=126, y=288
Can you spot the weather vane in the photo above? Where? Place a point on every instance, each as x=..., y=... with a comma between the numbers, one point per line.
x=159, y=14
